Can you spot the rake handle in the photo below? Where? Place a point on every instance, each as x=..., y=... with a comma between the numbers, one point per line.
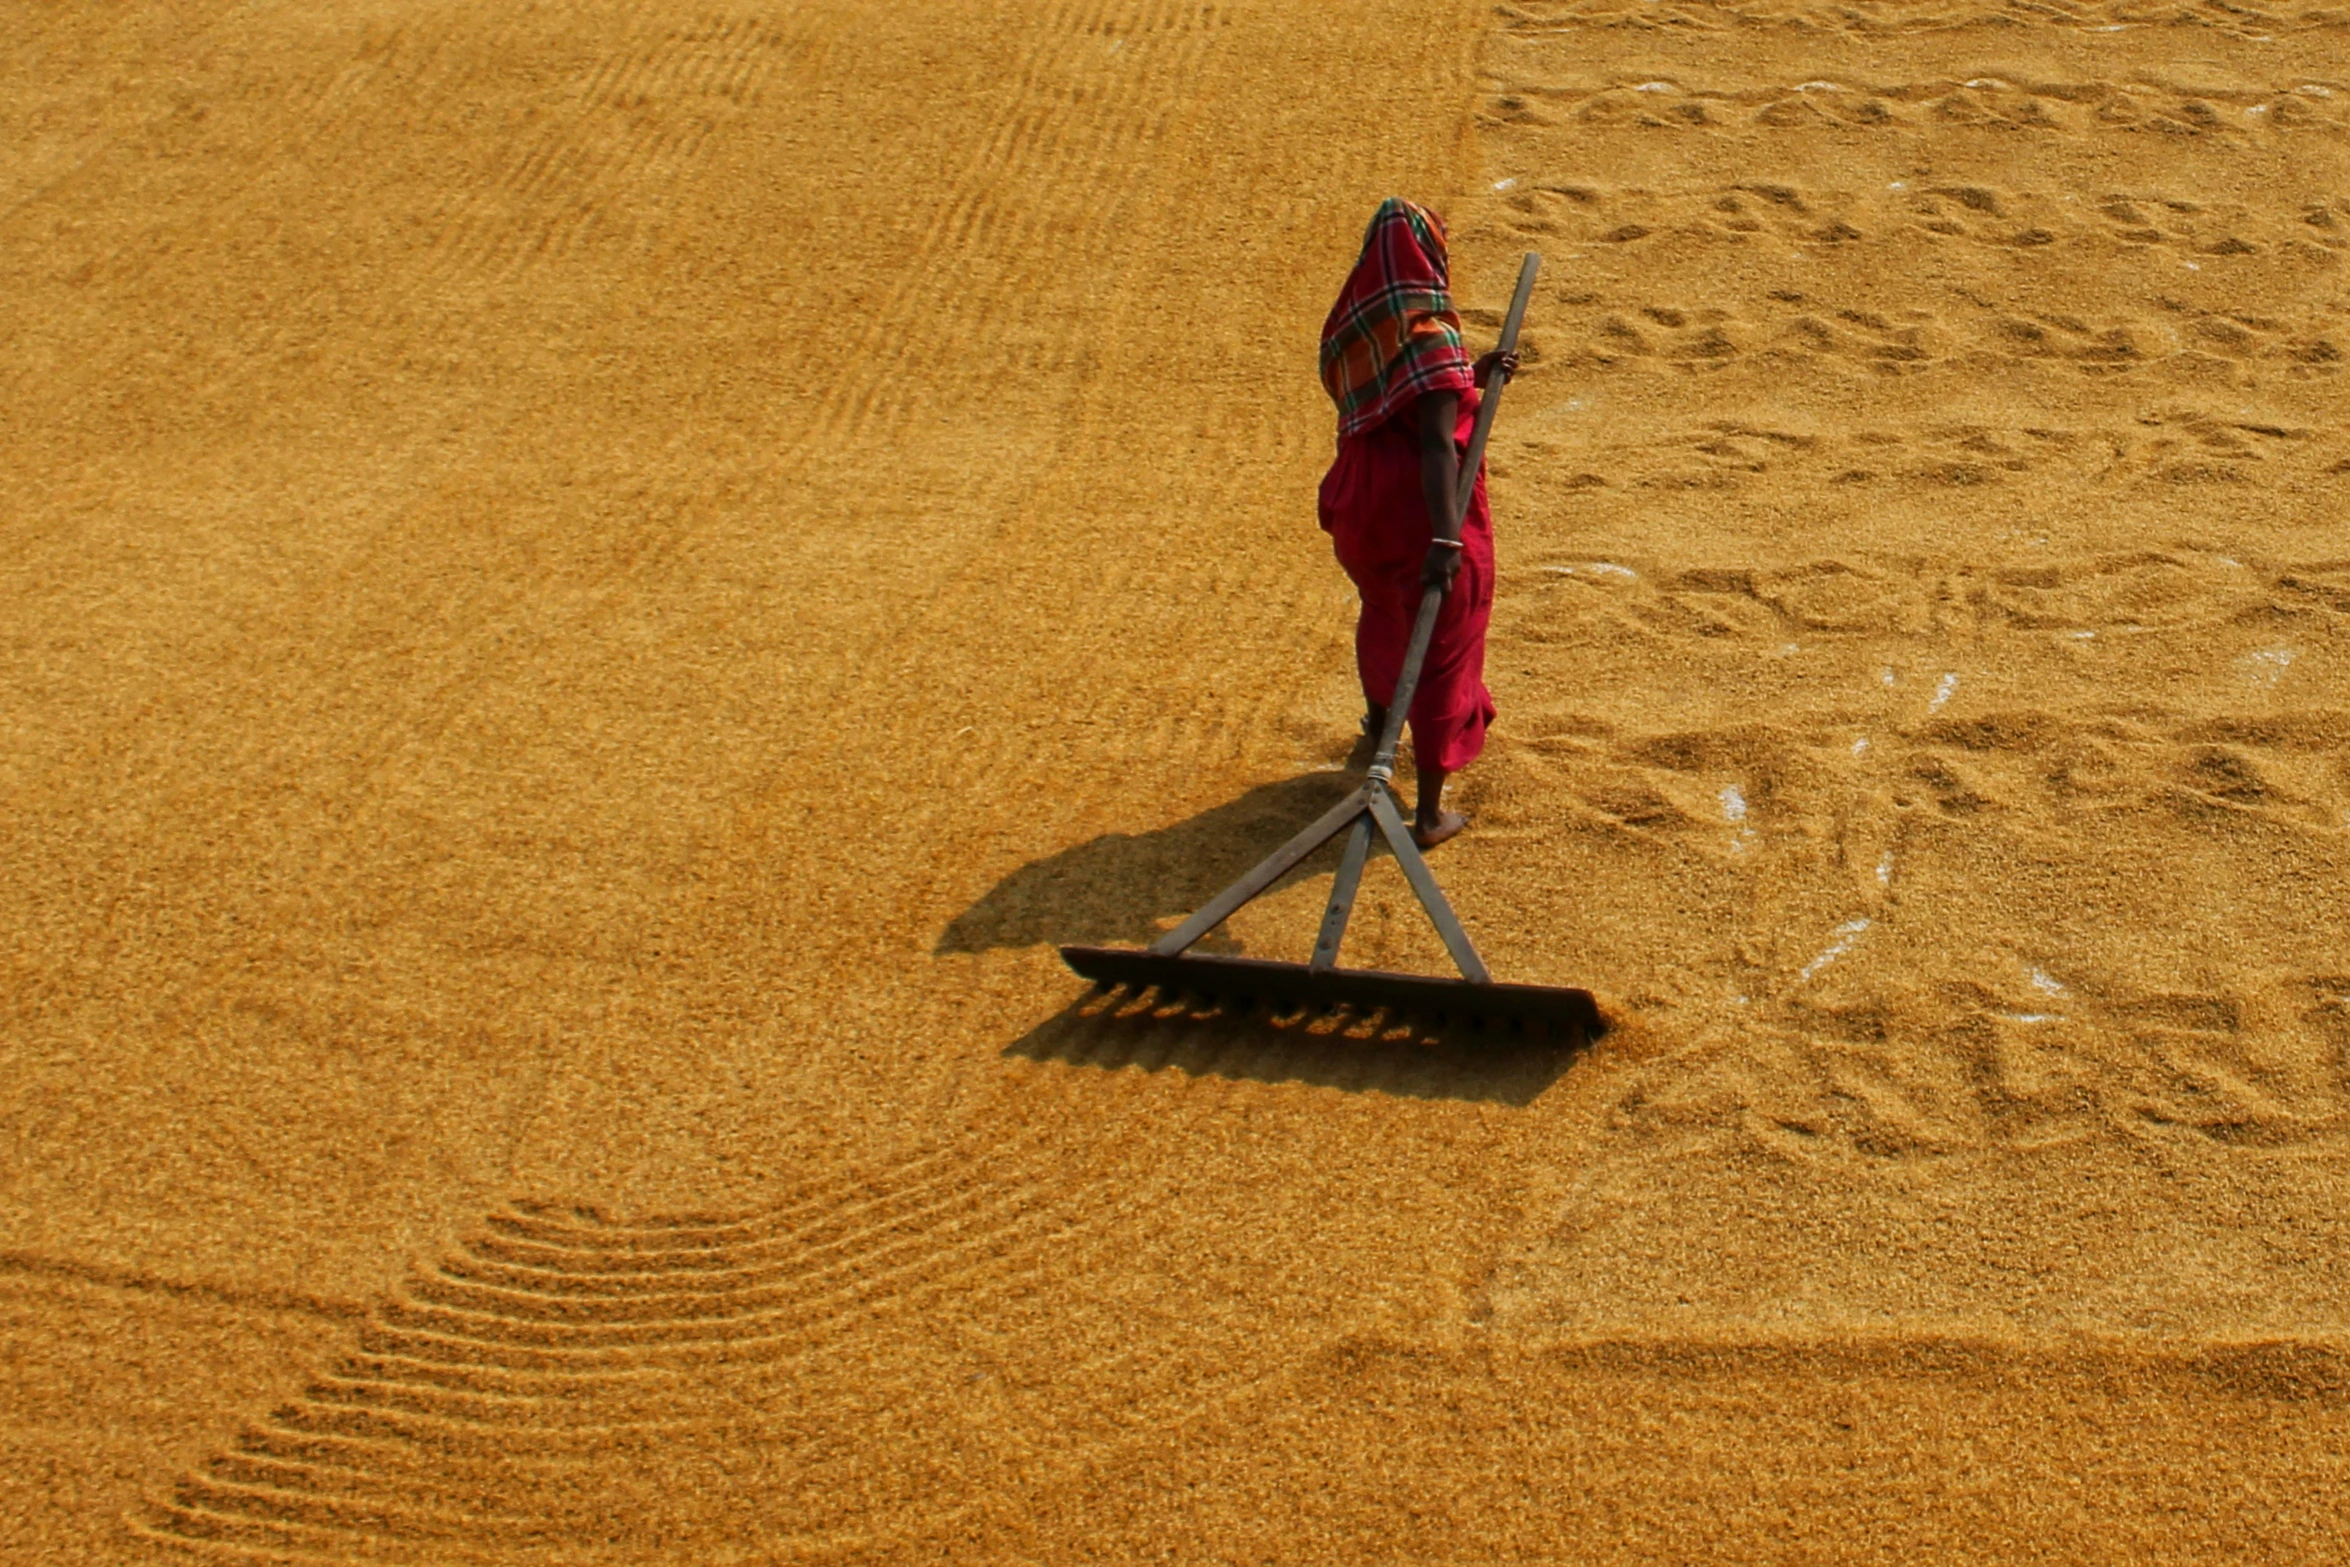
x=1464, y=489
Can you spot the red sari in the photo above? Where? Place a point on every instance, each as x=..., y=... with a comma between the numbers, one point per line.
x=1392, y=339
x=1373, y=509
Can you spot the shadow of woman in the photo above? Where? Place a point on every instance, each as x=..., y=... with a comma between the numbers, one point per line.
x=1114, y=890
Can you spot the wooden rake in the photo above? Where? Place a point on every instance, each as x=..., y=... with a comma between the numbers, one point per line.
x=1476, y=997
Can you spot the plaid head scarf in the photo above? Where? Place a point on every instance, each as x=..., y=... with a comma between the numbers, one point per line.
x=1393, y=334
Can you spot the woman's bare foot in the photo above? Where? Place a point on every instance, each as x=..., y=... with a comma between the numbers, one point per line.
x=1431, y=822
x=1447, y=824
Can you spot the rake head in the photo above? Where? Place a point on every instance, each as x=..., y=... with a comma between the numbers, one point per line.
x=1286, y=987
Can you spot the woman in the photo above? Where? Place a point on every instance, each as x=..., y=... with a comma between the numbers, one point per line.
x=1393, y=362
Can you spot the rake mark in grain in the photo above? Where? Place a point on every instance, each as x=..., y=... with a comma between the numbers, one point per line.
x=501, y=1318
x=467, y=1386
x=1890, y=18
x=585, y=1276
x=1037, y=188
x=609, y=148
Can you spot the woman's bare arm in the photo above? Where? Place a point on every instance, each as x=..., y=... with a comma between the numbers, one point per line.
x=1438, y=413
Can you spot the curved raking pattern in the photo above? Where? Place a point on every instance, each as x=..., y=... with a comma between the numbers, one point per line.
x=478, y=1413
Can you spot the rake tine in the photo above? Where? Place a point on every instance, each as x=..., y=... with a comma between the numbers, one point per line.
x=1291, y=989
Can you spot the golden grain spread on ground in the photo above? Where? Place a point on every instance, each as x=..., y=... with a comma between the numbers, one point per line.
x=587, y=590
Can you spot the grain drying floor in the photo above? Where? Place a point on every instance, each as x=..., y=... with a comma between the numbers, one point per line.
x=587, y=588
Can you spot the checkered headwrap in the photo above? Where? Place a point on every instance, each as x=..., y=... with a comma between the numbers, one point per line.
x=1393, y=334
